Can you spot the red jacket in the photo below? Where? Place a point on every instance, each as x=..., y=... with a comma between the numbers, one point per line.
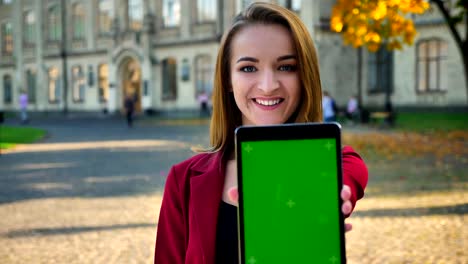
x=189, y=212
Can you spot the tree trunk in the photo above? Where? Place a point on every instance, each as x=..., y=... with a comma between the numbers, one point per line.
x=461, y=44
x=465, y=66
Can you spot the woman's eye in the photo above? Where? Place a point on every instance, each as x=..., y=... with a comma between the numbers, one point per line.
x=287, y=68
x=248, y=69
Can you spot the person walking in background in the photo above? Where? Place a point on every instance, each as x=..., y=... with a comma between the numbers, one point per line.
x=23, y=103
x=352, y=109
x=328, y=108
x=203, y=101
x=129, y=109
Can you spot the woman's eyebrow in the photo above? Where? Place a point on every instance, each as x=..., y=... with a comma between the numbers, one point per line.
x=286, y=57
x=247, y=59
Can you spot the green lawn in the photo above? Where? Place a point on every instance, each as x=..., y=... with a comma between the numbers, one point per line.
x=423, y=122
x=10, y=136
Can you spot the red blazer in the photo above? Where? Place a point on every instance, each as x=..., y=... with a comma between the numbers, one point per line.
x=189, y=211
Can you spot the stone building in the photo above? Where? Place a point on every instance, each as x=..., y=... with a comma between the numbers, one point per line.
x=86, y=55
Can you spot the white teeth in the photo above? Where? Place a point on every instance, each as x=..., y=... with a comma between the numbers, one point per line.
x=267, y=102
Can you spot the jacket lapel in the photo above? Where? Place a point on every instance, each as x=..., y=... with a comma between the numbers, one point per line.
x=206, y=187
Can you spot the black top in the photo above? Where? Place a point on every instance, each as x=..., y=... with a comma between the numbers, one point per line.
x=226, y=235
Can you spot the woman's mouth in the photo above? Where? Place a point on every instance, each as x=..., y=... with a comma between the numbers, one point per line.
x=268, y=103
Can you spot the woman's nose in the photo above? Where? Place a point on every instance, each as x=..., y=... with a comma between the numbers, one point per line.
x=268, y=81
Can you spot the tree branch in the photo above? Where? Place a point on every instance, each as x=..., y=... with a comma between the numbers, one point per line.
x=450, y=23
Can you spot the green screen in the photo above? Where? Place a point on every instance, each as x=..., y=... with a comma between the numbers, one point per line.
x=290, y=201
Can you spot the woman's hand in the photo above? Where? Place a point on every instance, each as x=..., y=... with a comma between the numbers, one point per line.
x=346, y=208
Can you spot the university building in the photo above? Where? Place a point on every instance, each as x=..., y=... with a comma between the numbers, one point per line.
x=86, y=55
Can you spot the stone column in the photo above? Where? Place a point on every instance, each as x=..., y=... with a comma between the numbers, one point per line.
x=92, y=10
x=17, y=27
x=42, y=85
x=186, y=7
x=146, y=64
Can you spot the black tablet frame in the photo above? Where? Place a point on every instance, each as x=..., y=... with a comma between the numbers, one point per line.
x=287, y=132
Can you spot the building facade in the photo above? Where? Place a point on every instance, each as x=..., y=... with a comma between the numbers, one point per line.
x=87, y=55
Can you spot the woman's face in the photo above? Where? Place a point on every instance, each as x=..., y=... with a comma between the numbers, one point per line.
x=264, y=75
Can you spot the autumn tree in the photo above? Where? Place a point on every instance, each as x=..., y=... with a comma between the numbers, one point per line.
x=376, y=23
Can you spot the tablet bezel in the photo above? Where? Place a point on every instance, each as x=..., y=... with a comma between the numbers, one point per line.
x=296, y=131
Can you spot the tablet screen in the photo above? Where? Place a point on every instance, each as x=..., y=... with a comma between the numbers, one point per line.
x=289, y=201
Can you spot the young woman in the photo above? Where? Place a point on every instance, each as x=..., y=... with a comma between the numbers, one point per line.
x=266, y=73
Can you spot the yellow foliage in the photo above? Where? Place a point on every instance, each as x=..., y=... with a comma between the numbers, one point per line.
x=372, y=23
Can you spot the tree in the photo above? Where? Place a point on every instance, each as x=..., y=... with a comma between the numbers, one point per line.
x=373, y=23
x=452, y=18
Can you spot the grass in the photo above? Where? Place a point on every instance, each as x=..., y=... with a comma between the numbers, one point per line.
x=429, y=122
x=11, y=136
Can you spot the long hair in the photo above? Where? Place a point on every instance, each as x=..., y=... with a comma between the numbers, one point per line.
x=226, y=115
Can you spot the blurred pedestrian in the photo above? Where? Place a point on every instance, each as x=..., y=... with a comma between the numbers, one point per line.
x=328, y=107
x=352, y=109
x=203, y=101
x=129, y=109
x=23, y=103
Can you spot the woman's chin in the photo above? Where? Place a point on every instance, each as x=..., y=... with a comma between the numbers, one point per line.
x=269, y=122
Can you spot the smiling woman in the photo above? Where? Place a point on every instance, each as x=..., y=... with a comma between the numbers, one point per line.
x=11, y=136
x=266, y=74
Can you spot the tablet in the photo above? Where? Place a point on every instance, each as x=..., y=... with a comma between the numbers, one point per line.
x=289, y=180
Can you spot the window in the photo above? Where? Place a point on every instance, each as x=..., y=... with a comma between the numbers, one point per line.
x=29, y=28
x=245, y=3
x=206, y=10
x=31, y=85
x=54, y=85
x=78, y=21
x=7, y=39
x=203, y=75
x=296, y=5
x=78, y=83
x=135, y=14
x=55, y=25
x=380, y=71
x=7, y=89
x=171, y=13
x=431, y=66
x=104, y=17
x=6, y=2
x=103, y=76
x=169, y=80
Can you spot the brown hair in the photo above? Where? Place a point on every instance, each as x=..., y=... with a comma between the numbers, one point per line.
x=226, y=115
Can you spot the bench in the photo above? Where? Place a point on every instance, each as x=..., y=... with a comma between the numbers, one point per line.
x=381, y=117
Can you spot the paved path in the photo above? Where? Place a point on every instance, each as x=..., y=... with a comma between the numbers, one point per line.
x=91, y=191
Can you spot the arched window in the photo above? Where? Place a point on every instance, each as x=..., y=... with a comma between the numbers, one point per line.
x=29, y=28
x=380, y=71
x=431, y=66
x=31, y=85
x=54, y=85
x=171, y=13
x=169, y=80
x=78, y=21
x=54, y=23
x=104, y=16
x=135, y=14
x=206, y=10
x=7, y=39
x=203, y=74
x=103, y=82
x=78, y=84
x=7, y=89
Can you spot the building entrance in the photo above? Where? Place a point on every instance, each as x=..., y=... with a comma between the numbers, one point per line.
x=131, y=83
